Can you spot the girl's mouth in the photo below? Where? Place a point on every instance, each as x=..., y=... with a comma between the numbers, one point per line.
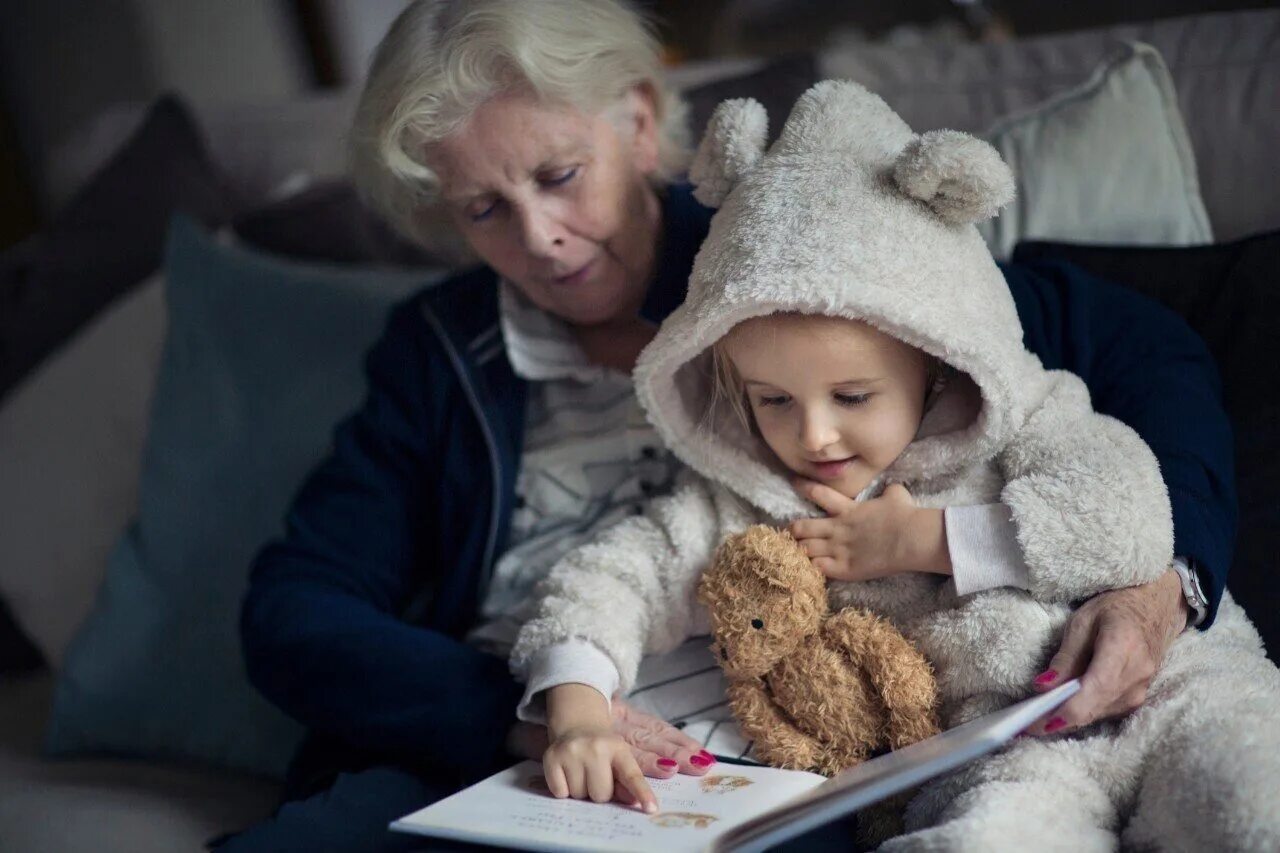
x=831, y=470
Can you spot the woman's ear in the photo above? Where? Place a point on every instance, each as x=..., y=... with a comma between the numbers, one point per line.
x=959, y=176
x=642, y=118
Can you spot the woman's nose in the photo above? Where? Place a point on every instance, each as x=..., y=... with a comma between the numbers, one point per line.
x=541, y=231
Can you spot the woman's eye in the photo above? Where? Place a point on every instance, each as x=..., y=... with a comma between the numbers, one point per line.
x=480, y=213
x=852, y=399
x=561, y=176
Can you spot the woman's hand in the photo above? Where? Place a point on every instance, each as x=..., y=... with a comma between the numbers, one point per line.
x=585, y=757
x=1114, y=643
x=861, y=540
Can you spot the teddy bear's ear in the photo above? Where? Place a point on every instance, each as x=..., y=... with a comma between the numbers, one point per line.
x=733, y=143
x=960, y=177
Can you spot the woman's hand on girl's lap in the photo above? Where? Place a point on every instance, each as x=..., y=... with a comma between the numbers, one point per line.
x=1115, y=643
x=862, y=540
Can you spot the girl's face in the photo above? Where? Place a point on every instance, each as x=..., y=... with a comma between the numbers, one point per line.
x=558, y=201
x=836, y=400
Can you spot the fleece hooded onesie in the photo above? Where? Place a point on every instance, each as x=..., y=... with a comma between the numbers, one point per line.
x=851, y=214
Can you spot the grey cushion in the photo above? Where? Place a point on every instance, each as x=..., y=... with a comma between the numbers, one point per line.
x=1225, y=67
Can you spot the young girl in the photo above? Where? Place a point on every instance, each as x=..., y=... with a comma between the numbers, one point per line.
x=864, y=341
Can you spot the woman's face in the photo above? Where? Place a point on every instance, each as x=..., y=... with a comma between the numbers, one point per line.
x=836, y=400
x=557, y=201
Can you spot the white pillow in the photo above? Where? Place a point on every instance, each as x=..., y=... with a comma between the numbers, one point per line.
x=71, y=440
x=1106, y=162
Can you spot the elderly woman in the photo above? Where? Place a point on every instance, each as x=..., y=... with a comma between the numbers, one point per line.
x=500, y=428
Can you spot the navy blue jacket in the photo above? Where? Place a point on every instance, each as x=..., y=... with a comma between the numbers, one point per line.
x=353, y=622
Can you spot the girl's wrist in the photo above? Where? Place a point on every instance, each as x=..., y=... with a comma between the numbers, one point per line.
x=575, y=706
x=929, y=541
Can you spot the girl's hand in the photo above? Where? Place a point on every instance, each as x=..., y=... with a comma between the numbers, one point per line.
x=874, y=538
x=586, y=758
x=596, y=763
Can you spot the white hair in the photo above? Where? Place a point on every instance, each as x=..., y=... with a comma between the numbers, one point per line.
x=442, y=59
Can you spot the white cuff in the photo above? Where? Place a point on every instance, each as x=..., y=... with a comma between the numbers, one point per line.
x=983, y=544
x=570, y=662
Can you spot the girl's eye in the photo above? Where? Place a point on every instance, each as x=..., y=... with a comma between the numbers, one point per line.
x=852, y=399
x=561, y=176
x=776, y=400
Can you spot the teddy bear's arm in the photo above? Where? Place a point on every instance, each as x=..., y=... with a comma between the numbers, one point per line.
x=776, y=739
x=899, y=672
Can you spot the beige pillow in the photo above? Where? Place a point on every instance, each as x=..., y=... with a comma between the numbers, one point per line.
x=1106, y=162
x=71, y=439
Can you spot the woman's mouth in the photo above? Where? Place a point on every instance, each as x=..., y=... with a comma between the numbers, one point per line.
x=578, y=276
x=831, y=470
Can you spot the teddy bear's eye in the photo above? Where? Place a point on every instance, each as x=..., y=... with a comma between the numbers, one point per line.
x=724, y=654
x=757, y=623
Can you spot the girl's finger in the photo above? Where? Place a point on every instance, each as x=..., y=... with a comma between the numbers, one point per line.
x=600, y=780
x=818, y=548
x=813, y=528
x=825, y=497
x=575, y=775
x=556, y=783
x=628, y=775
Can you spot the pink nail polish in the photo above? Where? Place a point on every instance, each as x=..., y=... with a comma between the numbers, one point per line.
x=1047, y=677
x=1054, y=724
x=700, y=761
x=667, y=762
x=711, y=758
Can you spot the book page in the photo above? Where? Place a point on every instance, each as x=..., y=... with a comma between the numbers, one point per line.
x=514, y=808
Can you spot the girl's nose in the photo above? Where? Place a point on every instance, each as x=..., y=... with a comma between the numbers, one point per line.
x=816, y=432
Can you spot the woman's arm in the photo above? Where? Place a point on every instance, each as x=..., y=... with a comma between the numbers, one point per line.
x=321, y=627
x=1144, y=366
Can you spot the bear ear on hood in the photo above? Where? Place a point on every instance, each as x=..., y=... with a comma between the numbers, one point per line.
x=732, y=144
x=960, y=177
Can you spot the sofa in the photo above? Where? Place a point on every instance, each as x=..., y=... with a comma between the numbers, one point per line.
x=83, y=336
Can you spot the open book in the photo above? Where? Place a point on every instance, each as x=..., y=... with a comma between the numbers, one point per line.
x=732, y=808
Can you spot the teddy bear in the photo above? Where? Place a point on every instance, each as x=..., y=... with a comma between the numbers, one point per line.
x=814, y=690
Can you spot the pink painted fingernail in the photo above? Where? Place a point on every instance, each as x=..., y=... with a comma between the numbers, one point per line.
x=667, y=762
x=1054, y=724
x=1047, y=677
x=707, y=755
x=700, y=761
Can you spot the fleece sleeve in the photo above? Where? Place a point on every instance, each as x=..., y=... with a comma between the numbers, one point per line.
x=1091, y=510
x=633, y=590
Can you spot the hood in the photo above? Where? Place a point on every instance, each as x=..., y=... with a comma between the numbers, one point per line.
x=849, y=213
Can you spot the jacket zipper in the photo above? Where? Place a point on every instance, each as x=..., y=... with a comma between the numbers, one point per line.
x=495, y=461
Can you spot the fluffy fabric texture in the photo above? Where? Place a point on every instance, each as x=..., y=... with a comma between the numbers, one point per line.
x=830, y=221
x=812, y=690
